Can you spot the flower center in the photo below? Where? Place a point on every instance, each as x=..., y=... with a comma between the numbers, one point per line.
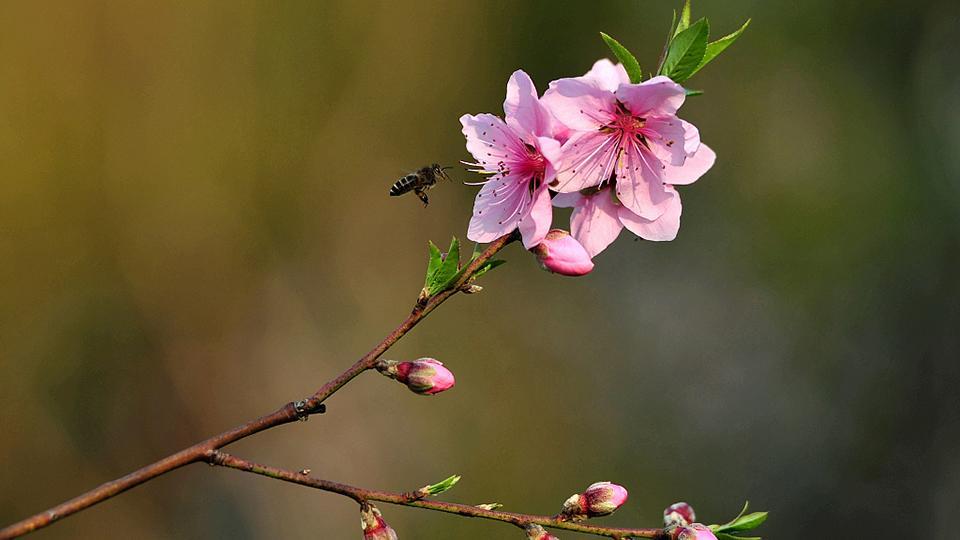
x=533, y=166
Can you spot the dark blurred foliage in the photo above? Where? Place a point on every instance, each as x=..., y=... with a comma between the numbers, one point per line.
x=194, y=229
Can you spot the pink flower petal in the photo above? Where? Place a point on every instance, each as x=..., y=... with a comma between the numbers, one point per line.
x=692, y=169
x=667, y=139
x=639, y=184
x=664, y=228
x=579, y=103
x=691, y=137
x=536, y=224
x=489, y=140
x=608, y=76
x=550, y=149
x=522, y=106
x=658, y=95
x=496, y=209
x=594, y=222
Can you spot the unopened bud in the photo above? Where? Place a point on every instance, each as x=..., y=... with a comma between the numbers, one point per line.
x=425, y=376
x=680, y=514
x=561, y=254
x=536, y=532
x=599, y=499
x=374, y=527
x=694, y=531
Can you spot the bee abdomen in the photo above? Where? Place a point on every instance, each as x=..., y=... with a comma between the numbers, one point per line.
x=403, y=185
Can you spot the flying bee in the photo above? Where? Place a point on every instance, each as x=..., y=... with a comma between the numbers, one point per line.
x=419, y=182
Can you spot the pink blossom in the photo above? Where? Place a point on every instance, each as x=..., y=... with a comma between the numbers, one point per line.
x=626, y=135
x=598, y=217
x=561, y=254
x=519, y=156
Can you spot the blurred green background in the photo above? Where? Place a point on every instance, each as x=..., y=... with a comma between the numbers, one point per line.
x=195, y=229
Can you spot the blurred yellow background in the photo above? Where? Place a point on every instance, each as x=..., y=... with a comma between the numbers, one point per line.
x=195, y=229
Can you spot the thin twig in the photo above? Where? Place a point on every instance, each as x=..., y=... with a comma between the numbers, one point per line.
x=223, y=459
x=299, y=410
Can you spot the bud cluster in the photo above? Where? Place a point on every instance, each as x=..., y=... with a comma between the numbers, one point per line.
x=680, y=522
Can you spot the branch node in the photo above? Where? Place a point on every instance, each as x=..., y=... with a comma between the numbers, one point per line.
x=215, y=457
x=304, y=409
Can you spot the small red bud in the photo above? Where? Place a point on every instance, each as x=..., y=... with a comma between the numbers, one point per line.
x=536, y=532
x=561, y=254
x=680, y=514
x=599, y=499
x=695, y=531
x=374, y=527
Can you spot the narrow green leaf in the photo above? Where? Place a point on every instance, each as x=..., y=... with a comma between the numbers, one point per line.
x=690, y=92
x=443, y=485
x=686, y=51
x=747, y=522
x=436, y=259
x=718, y=46
x=684, y=18
x=626, y=58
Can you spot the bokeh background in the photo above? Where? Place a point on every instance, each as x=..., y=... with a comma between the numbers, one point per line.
x=194, y=229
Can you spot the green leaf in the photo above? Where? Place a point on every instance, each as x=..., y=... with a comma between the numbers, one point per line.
x=690, y=92
x=444, y=272
x=626, y=58
x=747, y=522
x=443, y=485
x=718, y=46
x=686, y=51
x=436, y=259
x=684, y=18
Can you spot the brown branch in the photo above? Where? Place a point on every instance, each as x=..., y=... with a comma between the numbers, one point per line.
x=361, y=495
x=288, y=413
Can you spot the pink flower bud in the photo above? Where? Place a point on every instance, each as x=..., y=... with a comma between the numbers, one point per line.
x=695, y=531
x=561, y=254
x=599, y=499
x=374, y=527
x=536, y=532
x=680, y=514
x=425, y=376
